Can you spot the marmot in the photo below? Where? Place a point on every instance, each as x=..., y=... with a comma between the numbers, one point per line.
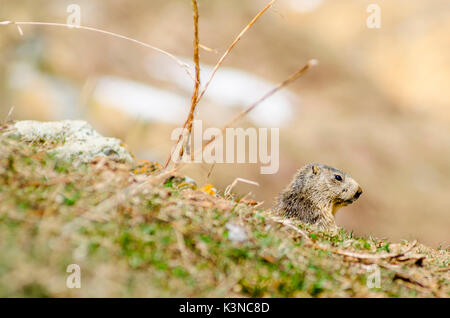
x=315, y=193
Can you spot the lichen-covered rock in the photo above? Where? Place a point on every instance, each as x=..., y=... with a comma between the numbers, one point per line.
x=73, y=139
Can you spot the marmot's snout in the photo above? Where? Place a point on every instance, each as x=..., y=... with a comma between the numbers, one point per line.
x=315, y=194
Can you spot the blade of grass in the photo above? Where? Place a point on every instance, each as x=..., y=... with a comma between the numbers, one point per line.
x=232, y=45
x=173, y=57
x=286, y=82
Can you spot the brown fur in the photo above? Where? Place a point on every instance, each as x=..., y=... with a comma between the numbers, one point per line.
x=315, y=194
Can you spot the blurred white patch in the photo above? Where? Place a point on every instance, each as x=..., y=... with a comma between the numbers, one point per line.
x=304, y=6
x=80, y=253
x=230, y=88
x=141, y=101
x=55, y=93
x=236, y=233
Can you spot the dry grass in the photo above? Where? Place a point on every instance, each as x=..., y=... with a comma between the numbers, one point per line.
x=232, y=45
x=125, y=225
x=195, y=94
x=97, y=30
x=170, y=239
x=194, y=99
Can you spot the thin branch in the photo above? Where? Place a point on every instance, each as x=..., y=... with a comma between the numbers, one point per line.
x=208, y=49
x=8, y=116
x=236, y=40
x=288, y=224
x=418, y=280
x=173, y=57
x=233, y=184
x=371, y=256
x=366, y=256
x=286, y=82
x=216, y=67
x=194, y=99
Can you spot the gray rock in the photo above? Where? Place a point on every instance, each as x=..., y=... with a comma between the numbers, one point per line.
x=76, y=139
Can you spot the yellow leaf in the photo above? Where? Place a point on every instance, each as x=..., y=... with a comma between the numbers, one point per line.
x=209, y=189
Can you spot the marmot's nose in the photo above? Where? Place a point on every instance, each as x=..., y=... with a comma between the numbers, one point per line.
x=358, y=193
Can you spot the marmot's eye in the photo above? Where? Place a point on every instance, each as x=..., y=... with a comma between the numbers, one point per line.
x=338, y=177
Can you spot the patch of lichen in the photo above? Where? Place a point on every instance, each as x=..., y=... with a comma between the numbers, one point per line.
x=166, y=238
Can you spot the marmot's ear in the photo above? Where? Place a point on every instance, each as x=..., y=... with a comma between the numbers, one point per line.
x=315, y=169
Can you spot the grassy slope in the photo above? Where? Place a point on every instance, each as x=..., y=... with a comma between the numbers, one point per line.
x=165, y=238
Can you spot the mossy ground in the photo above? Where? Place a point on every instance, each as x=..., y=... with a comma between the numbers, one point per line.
x=134, y=233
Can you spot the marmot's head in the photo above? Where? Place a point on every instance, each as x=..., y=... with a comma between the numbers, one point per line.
x=328, y=186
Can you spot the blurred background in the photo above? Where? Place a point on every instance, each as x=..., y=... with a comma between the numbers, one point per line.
x=377, y=106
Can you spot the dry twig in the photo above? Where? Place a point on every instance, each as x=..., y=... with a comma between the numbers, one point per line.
x=173, y=57
x=188, y=124
x=232, y=45
x=365, y=256
x=8, y=116
x=286, y=82
x=194, y=99
x=233, y=184
x=371, y=256
x=376, y=259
